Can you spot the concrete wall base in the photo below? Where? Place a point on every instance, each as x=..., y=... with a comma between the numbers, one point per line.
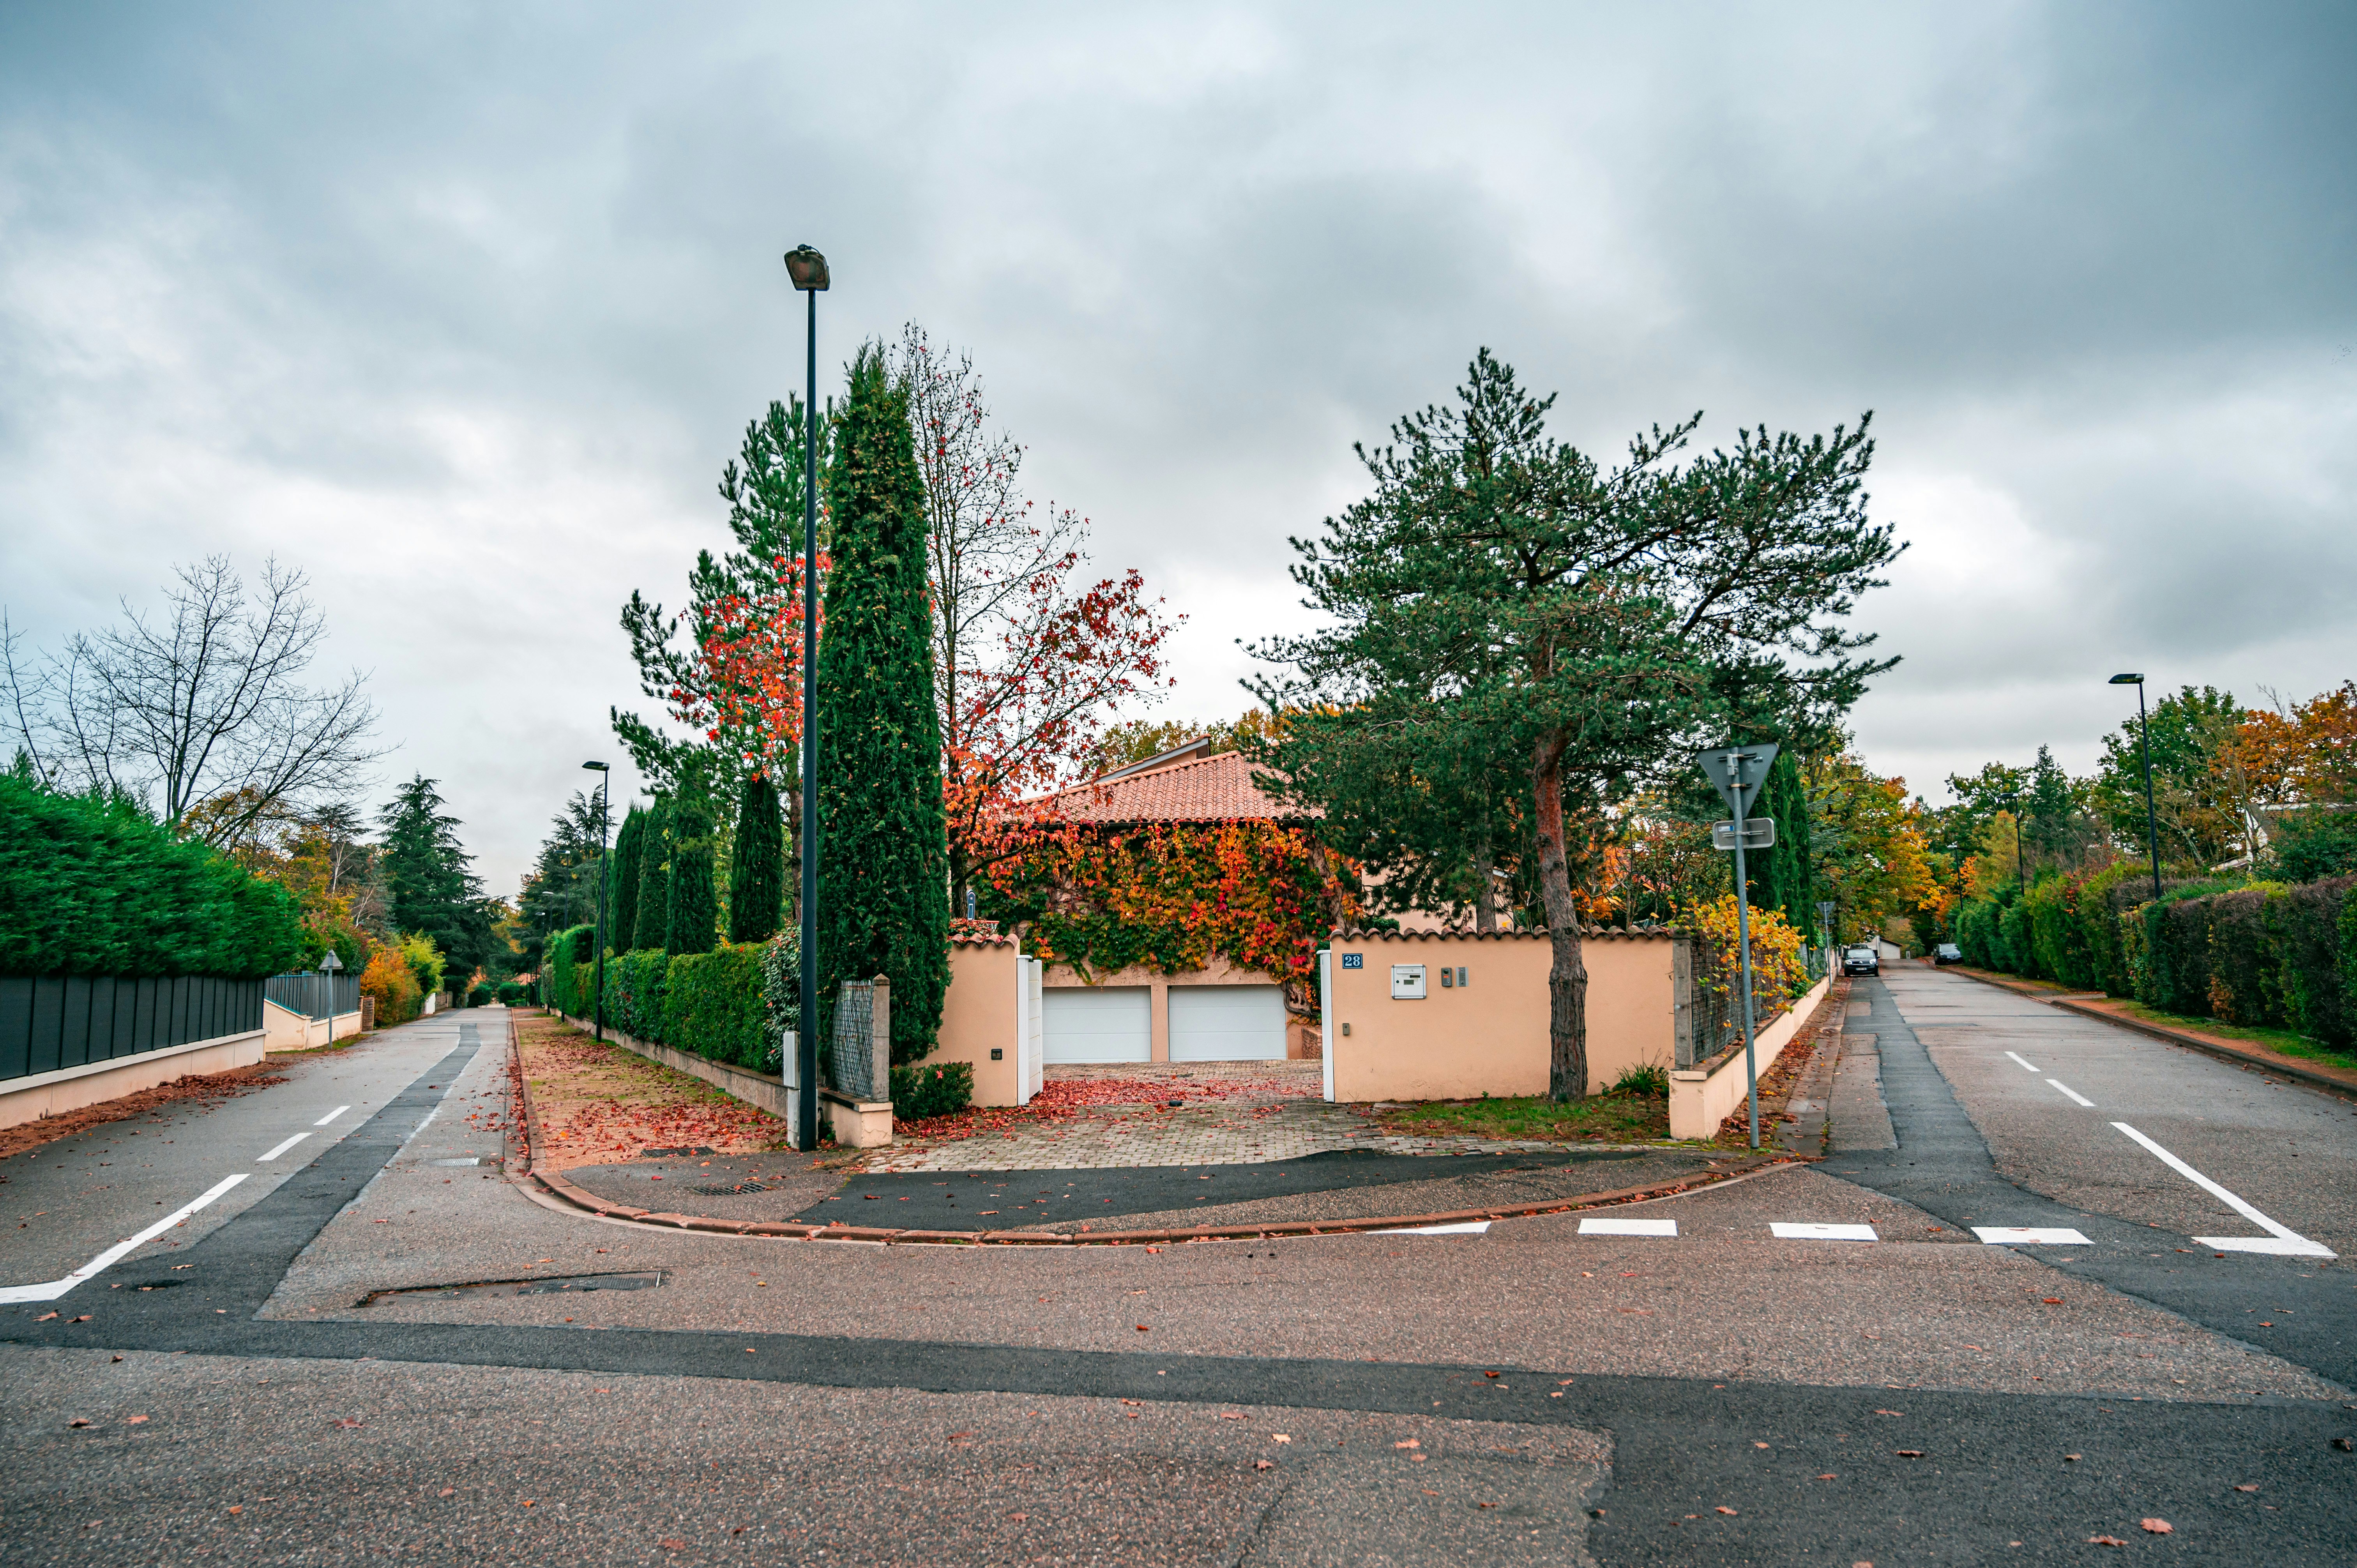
x=856, y=1123
x=1702, y=1096
x=40, y=1094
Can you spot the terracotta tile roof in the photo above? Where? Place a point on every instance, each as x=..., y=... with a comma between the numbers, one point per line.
x=1528, y=933
x=1206, y=790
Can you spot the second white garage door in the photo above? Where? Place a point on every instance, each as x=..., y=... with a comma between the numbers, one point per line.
x=1098, y=1023
x=1227, y=1023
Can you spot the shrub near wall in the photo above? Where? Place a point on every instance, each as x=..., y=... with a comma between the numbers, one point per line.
x=562, y=967
x=634, y=994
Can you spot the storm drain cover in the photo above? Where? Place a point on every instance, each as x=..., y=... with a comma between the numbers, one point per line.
x=729, y=1191
x=672, y=1153
x=569, y=1284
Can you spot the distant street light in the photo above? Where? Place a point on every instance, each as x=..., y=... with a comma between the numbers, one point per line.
x=604, y=786
x=2144, y=739
x=808, y=270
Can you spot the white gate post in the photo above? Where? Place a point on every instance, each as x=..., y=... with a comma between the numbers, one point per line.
x=1325, y=1016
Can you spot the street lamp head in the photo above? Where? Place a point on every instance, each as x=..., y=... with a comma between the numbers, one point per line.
x=807, y=268
x=595, y=768
x=2128, y=681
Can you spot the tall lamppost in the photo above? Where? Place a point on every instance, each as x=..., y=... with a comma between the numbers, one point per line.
x=808, y=270
x=2144, y=738
x=604, y=783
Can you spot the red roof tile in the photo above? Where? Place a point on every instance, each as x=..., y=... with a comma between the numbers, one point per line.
x=1207, y=789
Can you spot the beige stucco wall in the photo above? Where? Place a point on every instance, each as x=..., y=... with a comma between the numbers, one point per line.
x=1704, y=1096
x=978, y=1016
x=1300, y=1038
x=1490, y=1036
x=287, y=1030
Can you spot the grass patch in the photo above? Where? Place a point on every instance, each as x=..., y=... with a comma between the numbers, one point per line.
x=1612, y=1117
x=2281, y=1041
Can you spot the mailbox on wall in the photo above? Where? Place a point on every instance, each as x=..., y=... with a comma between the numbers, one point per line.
x=1407, y=982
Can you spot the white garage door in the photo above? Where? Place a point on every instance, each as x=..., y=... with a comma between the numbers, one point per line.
x=1227, y=1023
x=1098, y=1023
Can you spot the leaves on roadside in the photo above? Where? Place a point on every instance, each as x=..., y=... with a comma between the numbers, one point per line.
x=134, y=1420
x=2157, y=1526
x=1725, y=1509
x=2105, y=1541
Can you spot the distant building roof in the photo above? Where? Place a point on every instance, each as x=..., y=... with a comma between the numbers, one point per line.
x=1184, y=786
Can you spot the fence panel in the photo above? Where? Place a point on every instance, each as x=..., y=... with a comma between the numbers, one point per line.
x=48, y=1022
x=314, y=994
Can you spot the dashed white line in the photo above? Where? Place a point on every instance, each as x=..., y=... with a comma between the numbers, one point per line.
x=2280, y=1240
x=1628, y=1227
x=282, y=1148
x=1470, y=1228
x=332, y=1115
x=1796, y=1231
x=2072, y=1092
x=2016, y=1056
x=53, y=1289
x=2031, y=1235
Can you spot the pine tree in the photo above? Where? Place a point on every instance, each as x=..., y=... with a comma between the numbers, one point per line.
x=884, y=850
x=757, y=866
x=692, y=922
x=430, y=877
x=622, y=911
x=654, y=912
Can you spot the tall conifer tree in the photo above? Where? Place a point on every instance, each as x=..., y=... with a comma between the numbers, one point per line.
x=654, y=880
x=884, y=848
x=694, y=923
x=622, y=911
x=756, y=867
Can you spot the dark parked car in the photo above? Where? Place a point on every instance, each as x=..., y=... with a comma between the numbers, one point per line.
x=1947, y=952
x=1861, y=961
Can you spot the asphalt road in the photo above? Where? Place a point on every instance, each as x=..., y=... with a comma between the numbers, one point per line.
x=1725, y=1395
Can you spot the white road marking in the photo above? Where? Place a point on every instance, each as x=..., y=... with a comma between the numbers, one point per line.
x=2072, y=1092
x=2286, y=1242
x=332, y=1115
x=1795, y=1230
x=2016, y=1056
x=56, y=1288
x=282, y=1148
x=2035, y=1235
x=1628, y=1227
x=1470, y=1227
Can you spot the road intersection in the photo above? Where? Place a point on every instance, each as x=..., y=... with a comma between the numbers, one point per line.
x=1715, y=1386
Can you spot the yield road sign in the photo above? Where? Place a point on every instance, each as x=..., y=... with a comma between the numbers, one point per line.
x=1759, y=833
x=1738, y=771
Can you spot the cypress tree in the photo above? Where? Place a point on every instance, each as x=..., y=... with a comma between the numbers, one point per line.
x=1781, y=876
x=693, y=916
x=654, y=880
x=756, y=871
x=622, y=910
x=884, y=845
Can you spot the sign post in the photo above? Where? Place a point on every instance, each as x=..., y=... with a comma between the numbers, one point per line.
x=1739, y=771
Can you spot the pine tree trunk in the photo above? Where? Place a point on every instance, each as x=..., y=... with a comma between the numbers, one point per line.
x=1485, y=891
x=1567, y=975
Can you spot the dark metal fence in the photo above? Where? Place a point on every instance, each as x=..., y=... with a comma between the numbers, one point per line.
x=859, y=1051
x=48, y=1022
x=1710, y=1004
x=313, y=994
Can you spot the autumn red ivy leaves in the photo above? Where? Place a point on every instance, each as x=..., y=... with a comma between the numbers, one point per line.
x=1260, y=895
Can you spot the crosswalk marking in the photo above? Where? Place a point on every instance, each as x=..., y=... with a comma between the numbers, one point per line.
x=1803, y=1230
x=2032, y=1235
x=1628, y=1227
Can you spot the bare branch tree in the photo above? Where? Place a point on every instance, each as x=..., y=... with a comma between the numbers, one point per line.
x=203, y=715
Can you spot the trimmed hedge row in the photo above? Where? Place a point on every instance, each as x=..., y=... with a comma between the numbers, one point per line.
x=92, y=887
x=2259, y=954
x=730, y=1005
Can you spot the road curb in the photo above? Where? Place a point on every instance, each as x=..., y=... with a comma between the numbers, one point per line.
x=590, y=1203
x=2223, y=1052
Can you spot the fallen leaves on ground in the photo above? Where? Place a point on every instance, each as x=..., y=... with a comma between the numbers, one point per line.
x=2157, y=1526
x=598, y=1104
x=209, y=1086
x=1066, y=1099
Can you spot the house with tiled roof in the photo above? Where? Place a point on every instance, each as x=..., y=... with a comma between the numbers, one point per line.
x=1182, y=924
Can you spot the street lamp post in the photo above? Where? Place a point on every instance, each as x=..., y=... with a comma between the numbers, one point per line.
x=604, y=783
x=2144, y=739
x=808, y=270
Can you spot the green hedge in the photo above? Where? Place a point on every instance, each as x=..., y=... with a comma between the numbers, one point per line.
x=2259, y=954
x=712, y=1006
x=634, y=994
x=94, y=887
x=561, y=980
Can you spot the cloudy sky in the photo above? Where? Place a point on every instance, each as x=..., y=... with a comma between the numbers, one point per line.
x=461, y=310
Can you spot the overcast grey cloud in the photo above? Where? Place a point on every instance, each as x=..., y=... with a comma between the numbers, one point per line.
x=462, y=310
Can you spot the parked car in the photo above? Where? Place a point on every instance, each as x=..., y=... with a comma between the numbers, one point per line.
x=1947, y=952
x=1861, y=961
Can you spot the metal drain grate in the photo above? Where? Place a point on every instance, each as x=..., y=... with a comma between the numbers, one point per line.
x=729, y=1191
x=565, y=1284
x=672, y=1153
